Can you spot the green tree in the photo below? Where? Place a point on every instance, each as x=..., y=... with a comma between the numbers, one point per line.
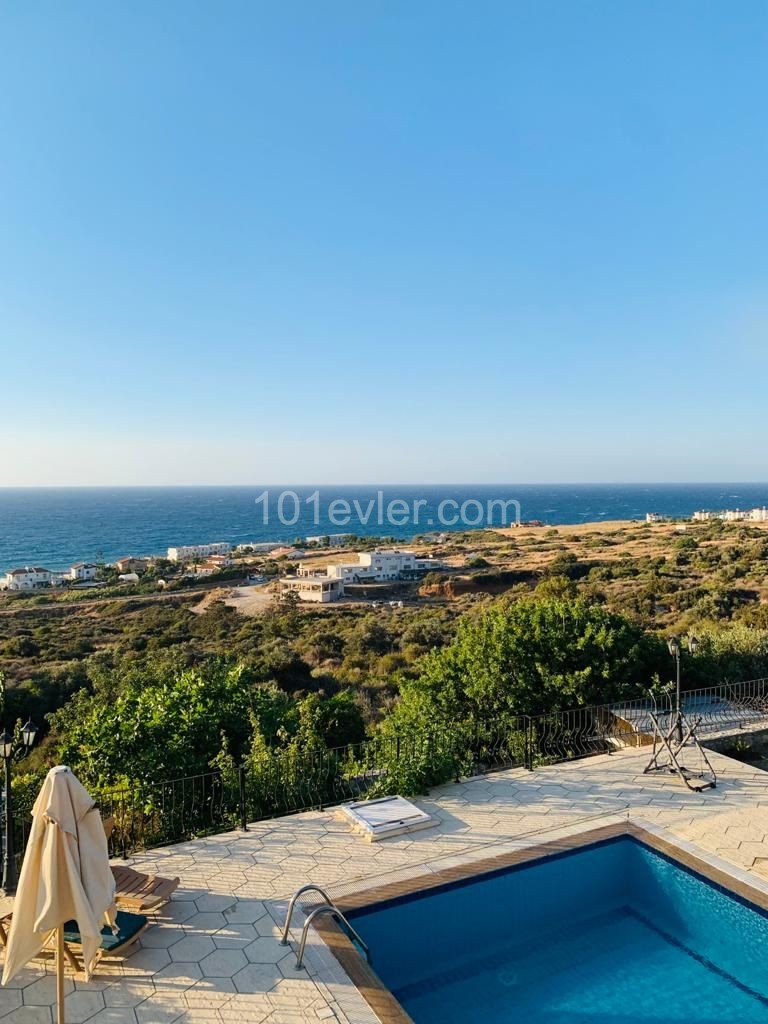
x=157, y=731
x=531, y=656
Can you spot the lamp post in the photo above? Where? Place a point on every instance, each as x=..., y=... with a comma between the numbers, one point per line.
x=28, y=736
x=674, y=649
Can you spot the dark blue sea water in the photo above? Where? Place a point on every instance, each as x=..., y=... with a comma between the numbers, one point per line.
x=54, y=527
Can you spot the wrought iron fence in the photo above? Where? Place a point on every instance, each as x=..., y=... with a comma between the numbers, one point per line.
x=287, y=780
x=566, y=735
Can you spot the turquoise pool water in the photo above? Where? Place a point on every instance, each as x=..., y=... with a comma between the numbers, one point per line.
x=614, y=933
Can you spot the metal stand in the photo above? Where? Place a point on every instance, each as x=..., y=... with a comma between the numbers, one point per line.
x=669, y=743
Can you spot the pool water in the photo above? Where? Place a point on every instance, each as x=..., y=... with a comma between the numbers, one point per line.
x=613, y=933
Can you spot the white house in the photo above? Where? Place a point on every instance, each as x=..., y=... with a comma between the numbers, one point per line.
x=191, y=552
x=378, y=566
x=30, y=578
x=83, y=571
x=734, y=515
x=320, y=589
x=330, y=540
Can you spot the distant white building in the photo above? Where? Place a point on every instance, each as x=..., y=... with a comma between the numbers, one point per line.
x=330, y=540
x=83, y=571
x=190, y=552
x=258, y=546
x=318, y=589
x=655, y=517
x=30, y=578
x=733, y=515
x=378, y=566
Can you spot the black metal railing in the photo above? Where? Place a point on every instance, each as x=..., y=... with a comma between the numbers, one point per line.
x=289, y=779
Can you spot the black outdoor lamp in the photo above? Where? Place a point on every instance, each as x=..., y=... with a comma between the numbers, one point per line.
x=28, y=736
x=6, y=745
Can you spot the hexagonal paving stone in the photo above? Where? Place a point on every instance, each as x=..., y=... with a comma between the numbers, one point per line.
x=210, y=901
x=257, y=978
x=114, y=1015
x=234, y=936
x=246, y=912
x=128, y=993
x=9, y=999
x=267, y=927
x=177, y=977
x=265, y=950
x=178, y=911
x=146, y=961
x=289, y=970
x=160, y=1011
x=192, y=948
x=223, y=963
x=79, y=1006
x=210, y=921
x=43, y=991
x=26, y=976
x=32, y=1015
x=160, y=936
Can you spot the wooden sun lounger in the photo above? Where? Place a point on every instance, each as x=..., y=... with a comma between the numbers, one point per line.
x=137, y=891
x=129, y=928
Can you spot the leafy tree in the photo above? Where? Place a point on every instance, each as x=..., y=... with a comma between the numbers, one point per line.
x=154, y=732
x=532, y=656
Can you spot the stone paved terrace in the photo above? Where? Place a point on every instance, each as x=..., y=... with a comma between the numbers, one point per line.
x=212, y=955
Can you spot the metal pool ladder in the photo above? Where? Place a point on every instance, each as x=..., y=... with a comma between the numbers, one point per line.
x=329, y=907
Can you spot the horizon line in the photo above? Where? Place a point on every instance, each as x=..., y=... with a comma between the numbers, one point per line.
x=285, y=486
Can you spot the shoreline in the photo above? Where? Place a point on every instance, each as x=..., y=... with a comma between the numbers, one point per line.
x=585, y=525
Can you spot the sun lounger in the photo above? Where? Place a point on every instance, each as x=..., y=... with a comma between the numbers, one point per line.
x=139, y=892
x=129, y=928
x=135, y=890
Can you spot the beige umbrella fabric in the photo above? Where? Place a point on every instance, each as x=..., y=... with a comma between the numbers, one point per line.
x=65, y=875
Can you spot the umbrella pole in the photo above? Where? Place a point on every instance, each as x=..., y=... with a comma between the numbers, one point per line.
x=60, y=975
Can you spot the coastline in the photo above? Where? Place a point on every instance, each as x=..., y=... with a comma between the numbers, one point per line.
x=57, y=527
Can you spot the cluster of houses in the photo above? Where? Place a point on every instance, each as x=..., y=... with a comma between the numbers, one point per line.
x=735, y=515
x=37, y=577
x=34, y=577
x=731, y=515
x=379, y=566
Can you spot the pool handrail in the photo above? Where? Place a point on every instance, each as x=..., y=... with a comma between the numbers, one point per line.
x=329, y=908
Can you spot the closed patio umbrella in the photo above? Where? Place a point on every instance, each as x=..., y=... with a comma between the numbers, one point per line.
x=65, y=876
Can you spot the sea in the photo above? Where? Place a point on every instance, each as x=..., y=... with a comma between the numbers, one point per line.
x=54, y=527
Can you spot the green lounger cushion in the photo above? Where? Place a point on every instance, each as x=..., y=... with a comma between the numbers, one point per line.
x=127, y=926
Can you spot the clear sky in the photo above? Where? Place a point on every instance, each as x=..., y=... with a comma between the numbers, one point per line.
x=395, y=241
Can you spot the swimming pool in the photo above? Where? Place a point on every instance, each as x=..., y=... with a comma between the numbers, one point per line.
x=611, y=933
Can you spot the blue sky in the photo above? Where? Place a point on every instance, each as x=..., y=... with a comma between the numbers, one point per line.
x=383, y=241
